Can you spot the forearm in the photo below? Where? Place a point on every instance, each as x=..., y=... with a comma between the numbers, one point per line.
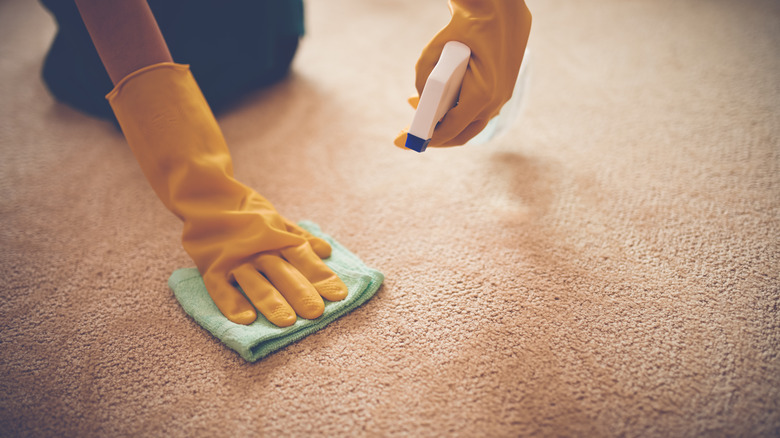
x=125, y=35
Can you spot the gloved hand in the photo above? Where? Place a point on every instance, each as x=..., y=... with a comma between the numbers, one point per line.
x=497, y=32
x=234, y=235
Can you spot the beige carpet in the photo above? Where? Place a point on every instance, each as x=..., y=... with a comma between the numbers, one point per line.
x=610, y=268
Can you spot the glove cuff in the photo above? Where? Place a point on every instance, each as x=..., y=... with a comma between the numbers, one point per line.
x=172, y=132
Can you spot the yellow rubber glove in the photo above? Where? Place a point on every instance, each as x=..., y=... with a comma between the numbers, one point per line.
x=234, y=235
x=497, y=32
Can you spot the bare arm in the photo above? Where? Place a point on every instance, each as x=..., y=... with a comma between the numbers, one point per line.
x=125, y=35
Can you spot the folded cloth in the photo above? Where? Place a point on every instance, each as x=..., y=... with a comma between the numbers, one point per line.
x=261, y=338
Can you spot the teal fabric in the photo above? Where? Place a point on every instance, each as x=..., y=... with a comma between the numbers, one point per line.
x=262, y=338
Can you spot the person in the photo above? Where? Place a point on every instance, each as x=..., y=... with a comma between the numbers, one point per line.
x=251, y=258
x=232, y=49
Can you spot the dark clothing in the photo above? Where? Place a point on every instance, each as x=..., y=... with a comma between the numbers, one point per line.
x=232, y=48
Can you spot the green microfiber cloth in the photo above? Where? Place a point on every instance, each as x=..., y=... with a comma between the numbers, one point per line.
x=262, y=338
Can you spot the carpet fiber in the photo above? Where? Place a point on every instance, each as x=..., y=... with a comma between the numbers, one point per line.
x=609, y=268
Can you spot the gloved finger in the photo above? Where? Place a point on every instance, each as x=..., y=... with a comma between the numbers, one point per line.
x=294, y=287
x=229, y=300
x=471, y=131
x=324, y=280
x=452, y=126
x=264, y=296
x=400, y=140
x=320, y=246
